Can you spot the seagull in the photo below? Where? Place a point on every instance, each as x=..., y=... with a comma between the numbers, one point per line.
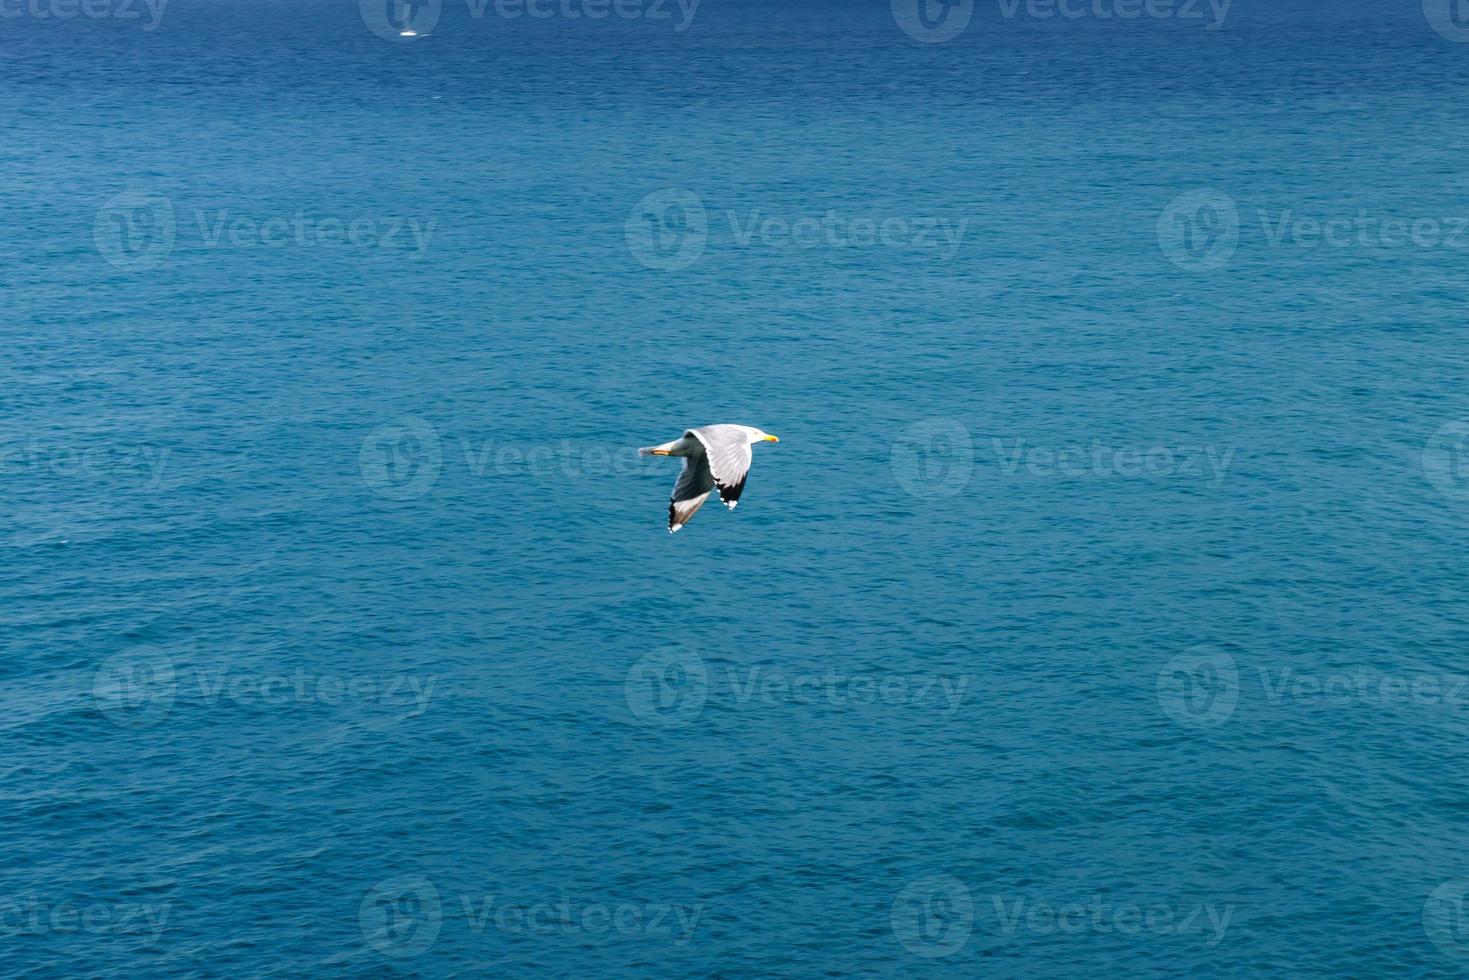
x=715, y=457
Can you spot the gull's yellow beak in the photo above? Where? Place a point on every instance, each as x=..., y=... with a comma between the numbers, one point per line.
x=770, y=438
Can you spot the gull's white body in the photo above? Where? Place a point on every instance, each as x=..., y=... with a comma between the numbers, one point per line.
x=715, y=457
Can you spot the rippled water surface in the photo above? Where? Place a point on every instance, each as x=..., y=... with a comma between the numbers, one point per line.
x=1100, y=611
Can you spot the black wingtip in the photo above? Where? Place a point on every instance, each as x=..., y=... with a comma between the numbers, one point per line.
x=729, y=496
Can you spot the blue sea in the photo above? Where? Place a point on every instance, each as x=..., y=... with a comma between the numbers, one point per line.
x=1099, y=613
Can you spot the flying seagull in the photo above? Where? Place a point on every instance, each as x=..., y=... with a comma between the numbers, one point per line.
x=715, y=457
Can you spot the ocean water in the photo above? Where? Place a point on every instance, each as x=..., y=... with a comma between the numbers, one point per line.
x=1100, y=612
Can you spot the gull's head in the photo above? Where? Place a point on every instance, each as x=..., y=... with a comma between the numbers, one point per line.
x=758, y=435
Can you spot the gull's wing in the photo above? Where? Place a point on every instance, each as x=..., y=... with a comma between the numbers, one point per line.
x=691, y=490
x=728, y=450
